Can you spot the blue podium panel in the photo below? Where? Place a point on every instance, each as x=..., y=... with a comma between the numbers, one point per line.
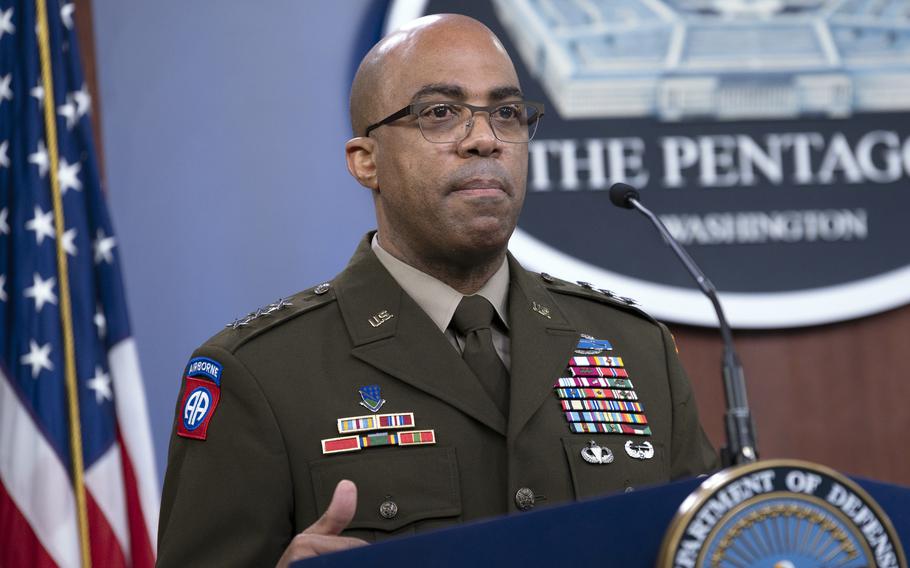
x=895, y=500
x=621, y=530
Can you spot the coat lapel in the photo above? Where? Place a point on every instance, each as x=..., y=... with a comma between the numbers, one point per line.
x=407, y=346
x=542, y=341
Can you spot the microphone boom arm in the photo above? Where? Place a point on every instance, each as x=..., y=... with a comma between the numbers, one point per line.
x=741, y=443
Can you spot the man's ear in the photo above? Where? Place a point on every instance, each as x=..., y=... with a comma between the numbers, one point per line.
x=360, y=153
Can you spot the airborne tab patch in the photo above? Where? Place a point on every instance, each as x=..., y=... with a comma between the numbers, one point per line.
x=205, y=367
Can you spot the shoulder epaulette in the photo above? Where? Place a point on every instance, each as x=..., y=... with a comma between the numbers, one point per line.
x=602, y=295
x=271, y=315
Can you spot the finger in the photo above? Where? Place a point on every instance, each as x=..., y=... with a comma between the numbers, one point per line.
x=309, y=545
x=340, y=511
x=322, y=544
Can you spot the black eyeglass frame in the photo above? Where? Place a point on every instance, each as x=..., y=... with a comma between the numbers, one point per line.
x=414, y=109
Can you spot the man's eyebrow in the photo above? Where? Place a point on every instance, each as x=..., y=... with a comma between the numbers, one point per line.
x=449, y=91
x=502, y=93
x=455, y=92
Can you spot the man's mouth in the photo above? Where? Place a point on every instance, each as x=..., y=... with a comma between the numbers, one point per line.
x=481, y=187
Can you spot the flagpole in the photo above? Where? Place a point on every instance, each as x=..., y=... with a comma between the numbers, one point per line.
x=66, y=313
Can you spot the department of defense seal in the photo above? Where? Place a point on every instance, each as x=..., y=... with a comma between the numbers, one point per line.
x=780, y=514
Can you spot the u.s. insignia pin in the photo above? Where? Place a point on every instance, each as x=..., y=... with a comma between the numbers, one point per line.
x=380, y=318
x=597, y=454
x=371, y=398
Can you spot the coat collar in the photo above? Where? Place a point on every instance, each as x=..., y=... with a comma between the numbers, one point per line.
x=543, y=340
x=406, y=344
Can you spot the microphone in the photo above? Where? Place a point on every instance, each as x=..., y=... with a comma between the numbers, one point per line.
x=621, y=195
x=741, y=443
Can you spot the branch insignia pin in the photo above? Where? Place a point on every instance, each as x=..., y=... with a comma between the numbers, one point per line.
x=541, y=309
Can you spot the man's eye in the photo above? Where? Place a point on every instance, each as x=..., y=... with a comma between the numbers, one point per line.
x=439, y=112
x=509, y=112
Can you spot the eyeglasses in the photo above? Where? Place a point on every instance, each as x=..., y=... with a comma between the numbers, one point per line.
x=446, y=122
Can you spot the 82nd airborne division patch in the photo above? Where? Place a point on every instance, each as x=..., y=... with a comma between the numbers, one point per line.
x=200, y=397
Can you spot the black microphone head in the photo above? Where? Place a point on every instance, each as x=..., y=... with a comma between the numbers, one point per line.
x=621, y=193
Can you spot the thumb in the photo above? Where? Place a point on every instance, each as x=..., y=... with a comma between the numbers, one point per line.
x=339, y=513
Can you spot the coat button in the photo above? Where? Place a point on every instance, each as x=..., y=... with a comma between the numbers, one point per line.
x=524, y=499
x=547, y=278
x=322, y=288
x=586, y=285
x=388, y=509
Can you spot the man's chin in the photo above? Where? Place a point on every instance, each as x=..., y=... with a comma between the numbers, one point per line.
x=484, y=241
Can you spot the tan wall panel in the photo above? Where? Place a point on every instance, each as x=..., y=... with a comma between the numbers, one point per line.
x=836, y=394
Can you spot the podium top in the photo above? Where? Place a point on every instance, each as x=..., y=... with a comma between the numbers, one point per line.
x=619, y=530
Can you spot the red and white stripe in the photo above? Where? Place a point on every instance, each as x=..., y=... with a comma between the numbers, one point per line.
x=137, y=454
x=38, y=524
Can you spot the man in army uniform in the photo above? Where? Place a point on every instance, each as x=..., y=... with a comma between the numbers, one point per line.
x=434, y=381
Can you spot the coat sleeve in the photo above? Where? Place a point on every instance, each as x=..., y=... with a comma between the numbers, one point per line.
x=691, y=453
x=227, y=499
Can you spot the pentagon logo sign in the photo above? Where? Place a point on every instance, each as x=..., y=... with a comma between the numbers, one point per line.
x=780, y=514
x=771, y=136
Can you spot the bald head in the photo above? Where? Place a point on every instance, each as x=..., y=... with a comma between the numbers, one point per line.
x=446, y=208
x=389, y=60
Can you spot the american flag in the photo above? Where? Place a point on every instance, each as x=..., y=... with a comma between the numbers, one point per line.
x=42, y=511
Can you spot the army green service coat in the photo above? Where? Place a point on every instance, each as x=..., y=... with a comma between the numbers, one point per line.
x=239, y=496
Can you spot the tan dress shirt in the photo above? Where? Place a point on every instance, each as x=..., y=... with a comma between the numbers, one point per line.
x=439, y=300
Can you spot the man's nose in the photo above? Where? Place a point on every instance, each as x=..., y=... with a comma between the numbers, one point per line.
x=480, y=139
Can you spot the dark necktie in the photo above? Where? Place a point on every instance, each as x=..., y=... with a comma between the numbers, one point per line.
x=472, y=320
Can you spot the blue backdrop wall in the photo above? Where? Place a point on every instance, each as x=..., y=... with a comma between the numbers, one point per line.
x=223, y=129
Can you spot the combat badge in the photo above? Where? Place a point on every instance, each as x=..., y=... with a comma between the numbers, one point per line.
x=371, y=398
x=587, y=345
x=200, y=397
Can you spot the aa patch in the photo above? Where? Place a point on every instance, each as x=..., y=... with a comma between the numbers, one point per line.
x=200, y=398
